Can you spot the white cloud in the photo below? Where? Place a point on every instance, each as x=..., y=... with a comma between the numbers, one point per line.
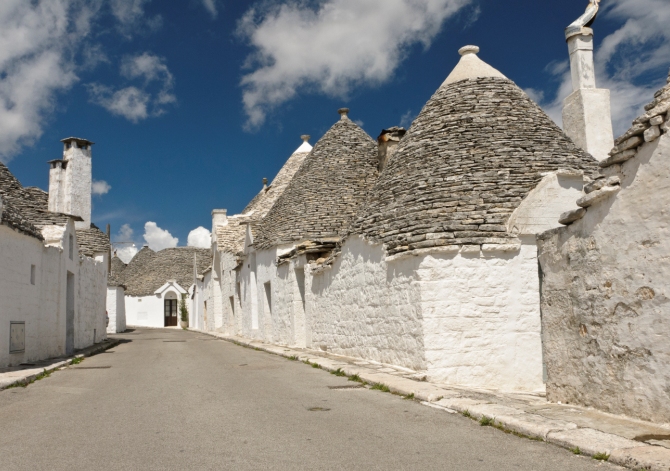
x=126, y=253
x=333, y=48
x=200, y=237
x=157, y=238
x=210, y=6
x=407, y=119
x=125, y=249
x=134, y=103
x=38, y=44
x=100, y=187
x=632, y=62
x=131, y=16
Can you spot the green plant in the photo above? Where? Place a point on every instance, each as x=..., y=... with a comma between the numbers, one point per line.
x=356, y=378
x=315, y=365
x=576, y=451
x=409, y=396
x=380, y=387
x=466, y=413
x=293, y=358
x=183, y=311
x=601, y=456
x=486, y=421
x=338, y=372
x=77, y=360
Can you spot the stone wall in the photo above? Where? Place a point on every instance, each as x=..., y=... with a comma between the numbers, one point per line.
x=605, y=292
x=91, y=303
x=365, y=308
x=481, y=318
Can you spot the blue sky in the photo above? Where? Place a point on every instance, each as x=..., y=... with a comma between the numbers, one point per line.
x=193, y=102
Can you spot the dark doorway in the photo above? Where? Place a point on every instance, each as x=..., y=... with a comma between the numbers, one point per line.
x=170, y=313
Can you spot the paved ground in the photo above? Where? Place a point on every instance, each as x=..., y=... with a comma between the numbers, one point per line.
x=168, y=399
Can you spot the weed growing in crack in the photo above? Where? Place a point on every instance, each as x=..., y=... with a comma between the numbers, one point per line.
x=338, y=372
x=486, y=421
x=356, y=378
x=409, y=397
x=466, y=413
x=293, y=358
x=380, y=387
x=601, y=456
x=576, y=451
x=78, y=360
x=25, y=384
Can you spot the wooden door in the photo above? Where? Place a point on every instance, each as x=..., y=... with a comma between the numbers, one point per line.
x=171, y=319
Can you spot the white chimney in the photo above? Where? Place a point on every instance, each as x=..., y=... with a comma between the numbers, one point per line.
x=70, y=181
x=219, y=218
x=587, y=117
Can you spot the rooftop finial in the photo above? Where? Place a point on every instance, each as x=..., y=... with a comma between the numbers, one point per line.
x=584, y=21
x=305, y=137
x=468, y=50
x=265, y=183
x=343, y=113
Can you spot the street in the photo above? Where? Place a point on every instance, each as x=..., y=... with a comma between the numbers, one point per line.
x=176, y=400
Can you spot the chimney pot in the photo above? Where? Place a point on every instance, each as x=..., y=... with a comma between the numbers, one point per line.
x=343, y=113
x=305, y=137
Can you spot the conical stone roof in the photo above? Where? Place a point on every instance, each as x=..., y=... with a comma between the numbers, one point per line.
x=475, y=151
x=325, y=193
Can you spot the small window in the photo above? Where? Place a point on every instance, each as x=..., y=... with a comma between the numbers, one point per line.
x=71, y=247
x=32, y=274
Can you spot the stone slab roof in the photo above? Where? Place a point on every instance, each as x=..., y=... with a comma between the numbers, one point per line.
x=12, y=217
x=31, y=202
x=475, y=151
x=323, y=196
x=117, y=269
x=93, y=241
x=150, y=270
x=263, y=201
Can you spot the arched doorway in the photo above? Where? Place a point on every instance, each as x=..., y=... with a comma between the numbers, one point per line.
x=170, y=309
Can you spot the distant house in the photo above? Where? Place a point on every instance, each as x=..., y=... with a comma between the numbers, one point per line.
x=156, y=282
x=53, y=262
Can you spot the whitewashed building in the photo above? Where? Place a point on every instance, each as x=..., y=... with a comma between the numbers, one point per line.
x=116, y=295
x=156, y=282
x=53, y=263
x=606, y=280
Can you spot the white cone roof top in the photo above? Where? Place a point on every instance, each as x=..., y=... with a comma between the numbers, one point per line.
x=305, y=147
x=470, y=67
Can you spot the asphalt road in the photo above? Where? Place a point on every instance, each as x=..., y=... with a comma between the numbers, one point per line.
x=175, y=400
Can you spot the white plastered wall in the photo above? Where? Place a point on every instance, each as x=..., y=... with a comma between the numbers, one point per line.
x=116, y=309
x=481, y=318
x=42, y=306
x=149, y=311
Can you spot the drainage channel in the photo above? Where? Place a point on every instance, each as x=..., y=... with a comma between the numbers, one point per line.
x=347, y=387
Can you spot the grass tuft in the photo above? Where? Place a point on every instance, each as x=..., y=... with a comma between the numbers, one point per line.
x=576, y=451
x=78, y=360
x=293, y=358
x=466, y=413
x=486, y=421
x=601, y=456
x=356, y=378
x=409, y=397
x=338, y=372
x=380, y=387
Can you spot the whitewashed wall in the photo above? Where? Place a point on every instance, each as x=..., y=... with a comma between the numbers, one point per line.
x=43, y=306
x=605, y=295
x=365, y=308
x=91, y=303
x=116, y=309
x=149, y=311
x=481, y=318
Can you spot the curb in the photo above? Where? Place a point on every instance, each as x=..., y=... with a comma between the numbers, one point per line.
x=614, y=449
x=26, y=380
